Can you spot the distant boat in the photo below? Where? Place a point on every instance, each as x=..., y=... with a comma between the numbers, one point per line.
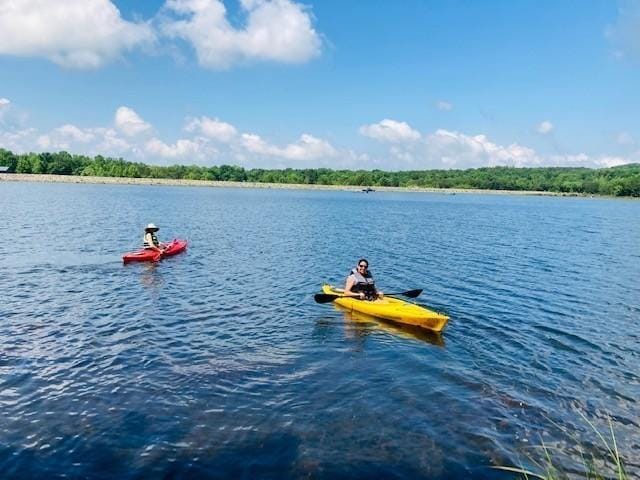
x=368, y=189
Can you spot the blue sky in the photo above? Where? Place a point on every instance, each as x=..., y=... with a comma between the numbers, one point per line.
x=411, y=84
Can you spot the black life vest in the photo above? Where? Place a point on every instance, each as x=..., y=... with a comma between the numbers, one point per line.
x=154, y=239
x=365, y=284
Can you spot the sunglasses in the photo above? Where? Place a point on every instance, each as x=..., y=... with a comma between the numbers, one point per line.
x=363, y=266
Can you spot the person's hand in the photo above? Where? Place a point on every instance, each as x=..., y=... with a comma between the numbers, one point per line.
x=361, y=295
x=380, y=295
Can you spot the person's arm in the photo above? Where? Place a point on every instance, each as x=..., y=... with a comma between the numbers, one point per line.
x=379, y=293
x=349, y=285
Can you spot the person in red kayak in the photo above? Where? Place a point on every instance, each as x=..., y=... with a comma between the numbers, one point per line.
x=360, y=282
x=151, y=241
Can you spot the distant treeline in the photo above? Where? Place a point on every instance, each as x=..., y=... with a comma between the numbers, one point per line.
x=618, y=181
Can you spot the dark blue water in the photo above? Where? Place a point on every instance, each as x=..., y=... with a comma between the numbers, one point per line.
x=217, y=363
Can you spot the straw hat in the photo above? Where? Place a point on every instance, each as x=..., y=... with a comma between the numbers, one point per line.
x=152, y=226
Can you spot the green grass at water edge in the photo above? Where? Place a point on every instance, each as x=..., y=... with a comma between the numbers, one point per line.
x=547, y=469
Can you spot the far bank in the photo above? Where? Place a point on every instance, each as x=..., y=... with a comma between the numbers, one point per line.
x=22, y=177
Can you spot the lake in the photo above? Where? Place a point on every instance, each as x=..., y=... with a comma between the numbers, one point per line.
x=217, y=363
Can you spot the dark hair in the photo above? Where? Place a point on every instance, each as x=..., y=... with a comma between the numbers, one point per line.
x=364, y=260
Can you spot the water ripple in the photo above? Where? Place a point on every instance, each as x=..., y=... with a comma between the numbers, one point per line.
x=217, y=362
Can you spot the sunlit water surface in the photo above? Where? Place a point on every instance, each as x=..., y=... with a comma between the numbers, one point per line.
x=217, y=363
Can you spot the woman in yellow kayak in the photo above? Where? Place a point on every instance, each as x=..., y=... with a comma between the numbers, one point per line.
x=360, y=282
x=151, y=241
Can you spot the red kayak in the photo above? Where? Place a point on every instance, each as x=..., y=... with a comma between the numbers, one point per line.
x=172, y=248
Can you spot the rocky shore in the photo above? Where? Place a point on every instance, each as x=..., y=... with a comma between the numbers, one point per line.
x=21, y=177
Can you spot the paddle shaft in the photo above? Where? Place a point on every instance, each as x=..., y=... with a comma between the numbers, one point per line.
x=163, y=248
x=330, y=297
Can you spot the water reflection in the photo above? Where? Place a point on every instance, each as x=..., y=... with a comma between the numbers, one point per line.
x=359, y=325
x=150, y=275
x=209, y=361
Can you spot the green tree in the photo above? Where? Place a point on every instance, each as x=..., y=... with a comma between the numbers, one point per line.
x=8, y=159
x=24, y=164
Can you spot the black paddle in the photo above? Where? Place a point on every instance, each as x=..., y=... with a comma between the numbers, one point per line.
x=330, y=297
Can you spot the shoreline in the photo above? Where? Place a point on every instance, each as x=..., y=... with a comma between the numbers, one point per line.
x=47, y=178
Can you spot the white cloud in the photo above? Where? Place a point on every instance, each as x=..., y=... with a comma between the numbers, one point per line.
x=390, y=131
x=584, y=160
x=404, y=157
x=444, y=106
x=129, y=122
x=276, y=30
x=88, y=141
x=74, y=133
x=213, y=128
x=71, y=33
x=66, y=137
x=212, y=141
x=254, y=144
x=307, y=147
x=545, y=127
x=608, y=161
x=4, y=102
x=44, y=141
x=454, y=150
x=92, y=33
x=444, y=149
x=182, y=148
x=111, y=142
x=18, y=141
x=457, y=150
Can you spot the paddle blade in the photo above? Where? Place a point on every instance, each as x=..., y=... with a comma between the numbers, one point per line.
x=157, y=256
x=413, y=293
x=324, y=297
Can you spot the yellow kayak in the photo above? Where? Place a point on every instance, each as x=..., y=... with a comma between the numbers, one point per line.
x=392, y=309
x=361, y=322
